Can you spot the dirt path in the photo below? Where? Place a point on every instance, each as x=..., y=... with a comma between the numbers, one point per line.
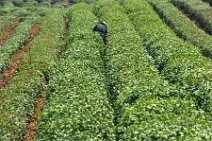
x=11, y=71
x=30, y=129
x=32, y=121
x=8, y=32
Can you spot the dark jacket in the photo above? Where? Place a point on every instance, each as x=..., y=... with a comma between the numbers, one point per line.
x=101, y=28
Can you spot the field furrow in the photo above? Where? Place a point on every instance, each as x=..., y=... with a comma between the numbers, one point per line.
x=6, y=22
x=7, y=32
x=182, y=64
x=15, y=43
x=14, y=61
x=198, y=9
x=139, y=86
x=28, y=87
x=51, y=26
x=78, y=108
x=17, y=103
x=183, y=27
x=105, y=70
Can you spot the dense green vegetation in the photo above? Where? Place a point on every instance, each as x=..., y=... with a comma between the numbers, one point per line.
x=6, y=22
x=150, y=82
x=21, y=12
x=164, y=119
x=17, y=103
x=139, y=98
x=10, y=16
x=50, y=26
x=183, y=26
x=208, y=1
x=6, y=10
x=182, y=64
x=199, y=9
x=47, y=3
x=135, y=76
x=15, y=42
x=79, y=109
x=17, y=100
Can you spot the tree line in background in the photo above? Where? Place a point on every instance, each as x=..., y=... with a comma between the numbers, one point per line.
x=20, y=3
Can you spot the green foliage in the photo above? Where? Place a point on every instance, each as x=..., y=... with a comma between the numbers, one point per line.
x=182, y=63
x=112, y=92
x=86, y=1
x=78, y=109
x=131, y=68
x=15, y=43
x=164, y=119
x=201, y=10
x=30, y=3
x=141, y=114
x=28, y=12
x=57, y=5
x=46, y=44
x=6, y=10
x=45, y=4
x=17, y=104
x=183, y=26
x=6, y=21
x=18, y=3
x=56, y=1
x=8, y=3
x=22, y=12
x=193, y=76
x=208, y=1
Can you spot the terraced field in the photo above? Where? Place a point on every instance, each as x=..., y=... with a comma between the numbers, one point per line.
x=151, y=82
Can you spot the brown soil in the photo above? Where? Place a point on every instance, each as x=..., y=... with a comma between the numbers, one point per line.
x=11, y=71
x=31, y=122
x=8, y=32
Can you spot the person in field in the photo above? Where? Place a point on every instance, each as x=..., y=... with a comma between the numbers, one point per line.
x=101, y=28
